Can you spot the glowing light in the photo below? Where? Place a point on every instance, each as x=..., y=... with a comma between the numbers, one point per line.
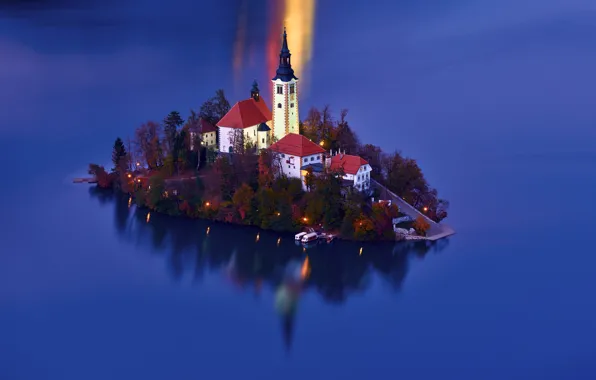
x=258, y=237
x=298, y=17
x=278, y=241
x=322, y=143
x=208, y=229
x=129, y=201
x=129, y=175
x=148, y=217
x=304, y=219
x=279, y=213
x=425, y=209
x=207, y=204
x=360, y=253
x=305, y=270
x=139, y=180
x=138, y=164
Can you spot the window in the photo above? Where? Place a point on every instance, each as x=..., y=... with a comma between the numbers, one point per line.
x=291, y=105
x=255, y=131
x=263, y=140
x=278, y=105
x=283, y=155
x=292, y=89
x=280, y=89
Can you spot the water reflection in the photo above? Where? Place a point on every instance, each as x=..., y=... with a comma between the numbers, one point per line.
x=196, y=246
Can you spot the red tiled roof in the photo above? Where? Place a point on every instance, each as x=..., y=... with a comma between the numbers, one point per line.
x=350, y=164
x=246, y=113
x=207, y=127
x=296, y=145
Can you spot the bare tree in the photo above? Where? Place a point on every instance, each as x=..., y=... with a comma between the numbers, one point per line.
x=236, y=139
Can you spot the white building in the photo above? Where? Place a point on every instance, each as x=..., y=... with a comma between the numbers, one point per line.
x=285, y=95
x=246, y=121
x=294, y=154
x=355, y=168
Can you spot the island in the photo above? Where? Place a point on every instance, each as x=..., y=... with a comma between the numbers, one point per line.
x=252, y=165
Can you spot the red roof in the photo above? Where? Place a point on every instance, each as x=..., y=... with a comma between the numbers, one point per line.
x=246, y=113
x=296, y=145
x=350, y=164
x=207, y=126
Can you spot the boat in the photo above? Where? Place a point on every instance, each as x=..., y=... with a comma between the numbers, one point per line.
x=329, y=238
x=309, y=237
x=299, y=235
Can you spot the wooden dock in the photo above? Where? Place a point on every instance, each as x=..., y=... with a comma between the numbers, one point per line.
x=84, y=180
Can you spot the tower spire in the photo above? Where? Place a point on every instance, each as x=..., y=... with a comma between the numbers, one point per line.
x=284, y=70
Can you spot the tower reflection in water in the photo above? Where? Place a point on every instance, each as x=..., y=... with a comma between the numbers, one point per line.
x=334, y=271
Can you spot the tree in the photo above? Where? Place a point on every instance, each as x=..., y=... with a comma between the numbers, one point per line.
x=312, y=124
x=364, y=228
x=225, y=172
x=404, y=177
x=421, y=226
x=236, y=139
x=265, y=173
x=242, y=199
x=119, y=155
x=345, y=138
x=104, y=179
x=215, y=108
x=374, y=155
x=171, y=124
x=148, y=144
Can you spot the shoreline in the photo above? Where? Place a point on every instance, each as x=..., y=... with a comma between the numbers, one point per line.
x=436, y=232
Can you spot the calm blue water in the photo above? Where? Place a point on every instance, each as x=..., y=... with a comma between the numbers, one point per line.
x=495, y=100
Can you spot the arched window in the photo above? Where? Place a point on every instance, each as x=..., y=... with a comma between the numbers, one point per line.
x=230, y=149
x=278, y=105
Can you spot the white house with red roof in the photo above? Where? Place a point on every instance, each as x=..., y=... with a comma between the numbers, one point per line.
x=355, y=168
x=294, y=154
x=248, y=120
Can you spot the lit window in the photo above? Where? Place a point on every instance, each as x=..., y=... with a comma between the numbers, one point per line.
x=278, y=105
x=280, y=89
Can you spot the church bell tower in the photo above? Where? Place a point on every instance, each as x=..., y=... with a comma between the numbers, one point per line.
x=285, y=95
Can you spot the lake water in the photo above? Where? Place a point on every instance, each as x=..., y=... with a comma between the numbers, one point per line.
x=496, y=101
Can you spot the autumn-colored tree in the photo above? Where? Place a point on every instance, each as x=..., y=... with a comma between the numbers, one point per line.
x=382, y=216
x=265, y=173
x=242, y=200
x=148, y=143
x=421, y=226
x=103, y=178
x=364, y=228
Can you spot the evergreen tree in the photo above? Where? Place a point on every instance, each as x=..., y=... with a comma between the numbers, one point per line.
x=171, y=124
x=118, y=154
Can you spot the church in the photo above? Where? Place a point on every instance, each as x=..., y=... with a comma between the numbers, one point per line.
x=252, y=122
